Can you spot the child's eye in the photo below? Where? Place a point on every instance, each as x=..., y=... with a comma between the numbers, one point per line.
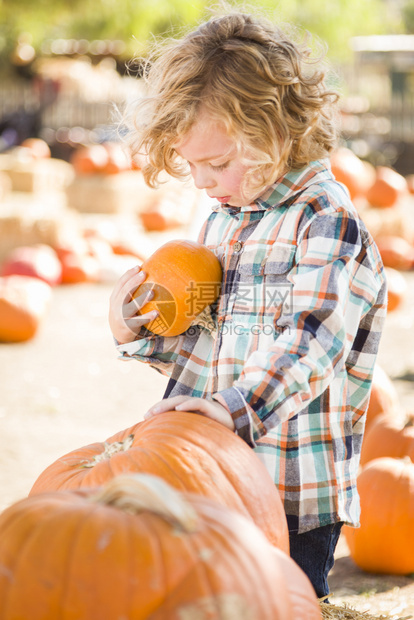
x=220, y=167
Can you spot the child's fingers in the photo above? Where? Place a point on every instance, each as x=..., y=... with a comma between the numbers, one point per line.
x=130, y=273
x=130, y=309
x=194, y=404
x=149, y=316
x=136, y=322
x=127, y=285
x=130, y=286
x=209, y=409
x=167, y=404
x=142, y=319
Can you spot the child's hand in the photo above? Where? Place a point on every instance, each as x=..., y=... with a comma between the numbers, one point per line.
x=209, y=408
x=124, y=318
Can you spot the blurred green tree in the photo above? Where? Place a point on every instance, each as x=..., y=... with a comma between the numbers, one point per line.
x=408, y=16
x=135, y=22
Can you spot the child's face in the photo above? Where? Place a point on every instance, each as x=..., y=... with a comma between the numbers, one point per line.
x=215, y=163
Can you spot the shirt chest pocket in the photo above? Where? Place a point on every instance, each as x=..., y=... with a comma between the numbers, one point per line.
x=262, y=287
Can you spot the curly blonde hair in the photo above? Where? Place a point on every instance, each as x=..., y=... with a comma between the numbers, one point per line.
x=246, y=73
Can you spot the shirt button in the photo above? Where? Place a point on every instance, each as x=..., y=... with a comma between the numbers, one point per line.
x=237, y=246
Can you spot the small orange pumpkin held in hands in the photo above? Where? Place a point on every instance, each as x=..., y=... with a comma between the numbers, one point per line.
x=389, y=435
x=190, y=452
x=137, y=548
x=23, y=304
x=186, y=278
x=384, y=543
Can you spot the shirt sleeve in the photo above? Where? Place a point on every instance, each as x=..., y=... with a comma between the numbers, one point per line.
x=335, y=284
x=162, y=352
x=158, y=351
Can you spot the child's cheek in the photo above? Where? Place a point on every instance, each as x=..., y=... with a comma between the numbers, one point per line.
x=231, y=180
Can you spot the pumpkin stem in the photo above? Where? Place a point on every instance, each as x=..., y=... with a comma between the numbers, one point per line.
x=136, y=493
x=109, y=450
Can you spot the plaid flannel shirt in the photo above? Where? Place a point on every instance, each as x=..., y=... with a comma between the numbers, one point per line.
x=290, y=347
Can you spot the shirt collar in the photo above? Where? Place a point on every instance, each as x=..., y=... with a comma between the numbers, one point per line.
x=293, y=182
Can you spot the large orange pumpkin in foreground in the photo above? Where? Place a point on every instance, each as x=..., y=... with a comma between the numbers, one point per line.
x=185, y=277
x=190, y=452
x=385, y=542
x=138, y=549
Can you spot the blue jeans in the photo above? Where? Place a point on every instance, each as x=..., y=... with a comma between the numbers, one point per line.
x=314, y=552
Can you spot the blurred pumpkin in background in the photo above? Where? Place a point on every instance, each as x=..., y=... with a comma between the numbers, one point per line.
x=357, y=175
x=37, y=261
x=24, y=302
x=396, y=252
x=388, y=188
x=39, y=148
x=89, y=159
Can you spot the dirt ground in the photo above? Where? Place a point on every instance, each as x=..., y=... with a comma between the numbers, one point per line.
x=67, y=388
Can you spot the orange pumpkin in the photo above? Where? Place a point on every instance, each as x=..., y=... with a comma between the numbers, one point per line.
x=397, y=288
x=356, y=174
x=389, y=435
x=23, y=304
x=388, y=188
x=384, y=397
x=103, y=239
x=78, y=268
x=78, y=263
x=39, y=148
x=37, y=261
x=385, y=543
x=136, y=548
x=190, y=452
x=117, y=159
x=396, y=252
x=89, y=159
x=126, y=248
x=162, y=215
x=185, y=277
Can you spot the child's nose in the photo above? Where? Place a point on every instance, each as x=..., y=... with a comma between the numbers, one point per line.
x=203, y=179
